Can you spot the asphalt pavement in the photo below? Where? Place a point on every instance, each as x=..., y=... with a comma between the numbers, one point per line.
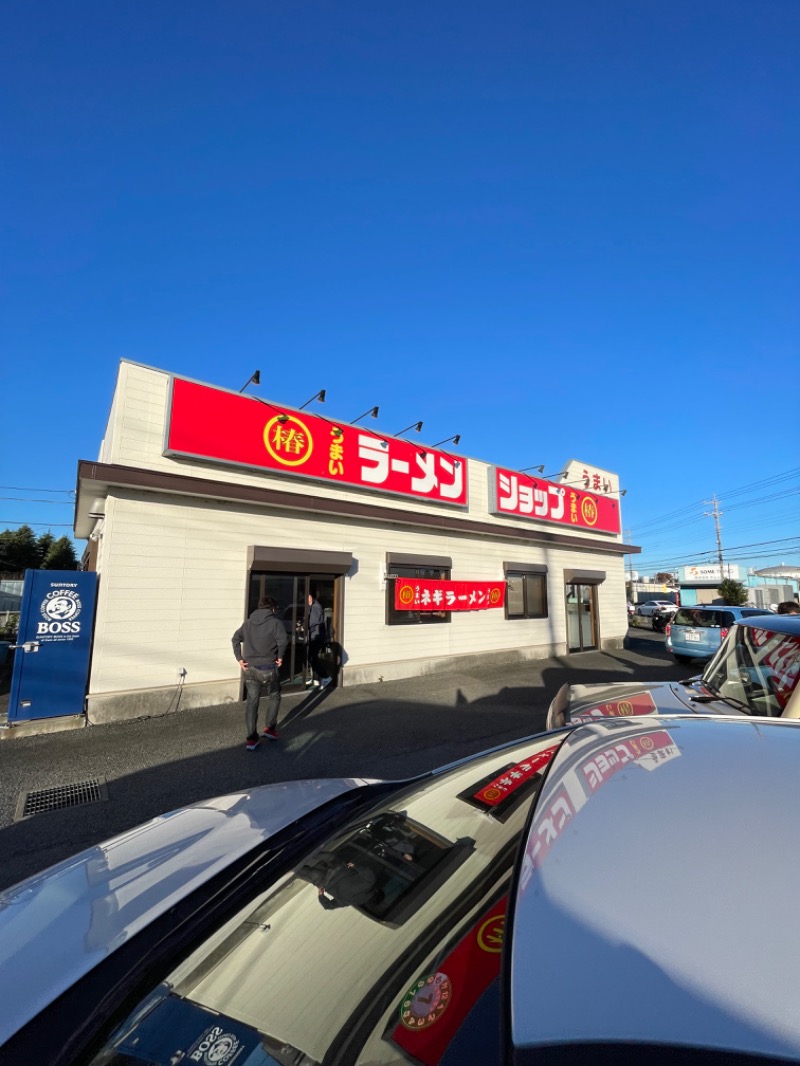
x=389, y=730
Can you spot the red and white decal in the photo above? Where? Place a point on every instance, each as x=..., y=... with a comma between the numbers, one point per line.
x=626, y=707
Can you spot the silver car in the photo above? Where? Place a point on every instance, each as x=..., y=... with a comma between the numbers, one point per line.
x=649, y=607
x=588, y=896
x=756, y=671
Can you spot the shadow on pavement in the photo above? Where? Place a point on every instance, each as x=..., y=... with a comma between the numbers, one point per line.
x=395, y=730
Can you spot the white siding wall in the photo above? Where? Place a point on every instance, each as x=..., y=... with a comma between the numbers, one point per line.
x=174, y=582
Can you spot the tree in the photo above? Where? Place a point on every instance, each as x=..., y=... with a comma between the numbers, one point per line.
x=734, y=593
x=665, y=578
x=21, y=550
x=18, y=550
x=61, y=556
x=43, y=545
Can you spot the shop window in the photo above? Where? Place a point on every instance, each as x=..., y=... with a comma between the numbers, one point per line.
x=526, y=595
x=410, y=618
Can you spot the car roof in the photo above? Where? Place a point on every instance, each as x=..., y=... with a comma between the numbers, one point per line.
x=59, y=924
x=641, y=892
x=727, y=607
x=777, y=623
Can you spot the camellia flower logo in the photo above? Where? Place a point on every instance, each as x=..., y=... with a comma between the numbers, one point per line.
x=589, y=510
x=288, y=440
x=406, y=594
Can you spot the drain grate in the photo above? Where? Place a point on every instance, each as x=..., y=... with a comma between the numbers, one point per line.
x=40, y=800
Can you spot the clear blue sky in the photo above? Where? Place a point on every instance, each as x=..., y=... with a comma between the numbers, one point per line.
x=564, y=230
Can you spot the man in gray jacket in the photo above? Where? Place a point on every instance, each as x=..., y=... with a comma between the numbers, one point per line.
x=259, y=645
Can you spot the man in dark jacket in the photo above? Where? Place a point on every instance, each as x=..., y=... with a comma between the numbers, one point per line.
x=316, y=638
x=259, y=645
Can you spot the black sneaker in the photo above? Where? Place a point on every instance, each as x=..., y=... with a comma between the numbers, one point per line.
x=252, y=743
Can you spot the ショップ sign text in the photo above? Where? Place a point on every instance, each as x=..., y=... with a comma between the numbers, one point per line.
x=548, y=501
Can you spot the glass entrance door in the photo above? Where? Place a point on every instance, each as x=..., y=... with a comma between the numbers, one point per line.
x=290, y=592
x=581, y=617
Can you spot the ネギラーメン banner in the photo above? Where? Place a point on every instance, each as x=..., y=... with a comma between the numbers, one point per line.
x=513, y=493
x=224, y=427
x=426, y=594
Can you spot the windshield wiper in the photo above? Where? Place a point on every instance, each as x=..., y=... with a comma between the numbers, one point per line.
x=717, y=698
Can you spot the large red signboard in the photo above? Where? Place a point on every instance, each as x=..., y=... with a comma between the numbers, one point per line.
x=425, y=594
x=224, y=427
x=548, y=501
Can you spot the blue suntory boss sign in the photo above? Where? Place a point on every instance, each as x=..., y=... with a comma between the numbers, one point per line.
x=51, y=665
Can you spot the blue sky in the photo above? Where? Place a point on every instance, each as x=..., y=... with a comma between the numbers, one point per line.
x=563, y=231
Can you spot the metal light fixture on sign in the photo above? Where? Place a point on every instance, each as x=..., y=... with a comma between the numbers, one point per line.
x=317, y=396
x=373, y=413
x=255, y=379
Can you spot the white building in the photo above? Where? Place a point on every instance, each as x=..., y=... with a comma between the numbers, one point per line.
x=203, y=499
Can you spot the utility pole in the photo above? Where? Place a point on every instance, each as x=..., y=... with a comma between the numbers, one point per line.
x=628, y=534
x=715, y=514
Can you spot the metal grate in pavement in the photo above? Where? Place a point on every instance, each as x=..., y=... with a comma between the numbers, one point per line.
x=40, y=800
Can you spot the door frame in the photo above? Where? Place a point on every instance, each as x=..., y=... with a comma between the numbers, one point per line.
x=295, y=671
x=593, y=615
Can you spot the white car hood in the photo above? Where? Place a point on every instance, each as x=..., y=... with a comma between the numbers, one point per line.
x=56, y=926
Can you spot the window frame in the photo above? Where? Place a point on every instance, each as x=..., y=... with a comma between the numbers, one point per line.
x=416, y=569
x=534, y=588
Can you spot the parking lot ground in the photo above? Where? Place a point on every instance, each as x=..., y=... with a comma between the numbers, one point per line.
x=391, y=730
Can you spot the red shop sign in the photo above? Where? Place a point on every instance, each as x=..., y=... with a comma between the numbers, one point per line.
x=422, y=594
x=547, y=501
x=224, y=427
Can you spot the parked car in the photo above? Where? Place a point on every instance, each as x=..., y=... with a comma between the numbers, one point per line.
x=444, y=920
x=652, y=619
x=662, y=617
x=755, y=672
x=697, y=632
x=647, y=608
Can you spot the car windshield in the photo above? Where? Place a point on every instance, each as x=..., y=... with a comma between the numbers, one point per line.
x=757, y=668
x=356, y=952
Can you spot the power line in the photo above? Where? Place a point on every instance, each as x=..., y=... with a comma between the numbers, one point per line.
x=688, y=508
x=788, y=545
x=16, y=522
x=27, y=488
x=29, y=499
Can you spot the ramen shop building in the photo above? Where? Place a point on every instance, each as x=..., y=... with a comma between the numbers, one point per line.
x=202, y=500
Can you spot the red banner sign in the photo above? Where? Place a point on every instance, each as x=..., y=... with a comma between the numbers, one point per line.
x=224, y=427
x=548, y=501
x=423, y=594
